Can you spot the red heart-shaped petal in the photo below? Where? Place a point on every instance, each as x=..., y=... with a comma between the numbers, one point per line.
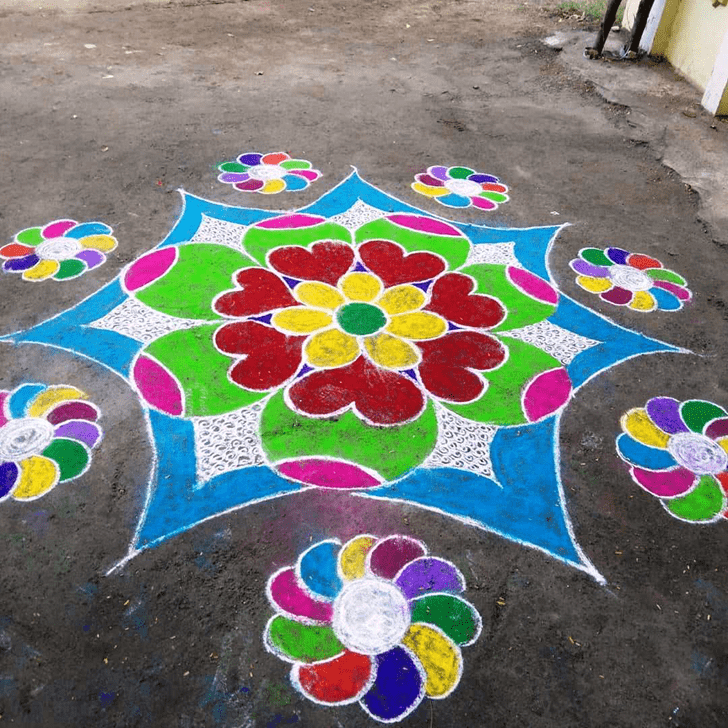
x=271, y=357
x=327, y=261
x=389, y=262
x=447, y=361
x=452, y=298
x=381, y=396
x=262, y=291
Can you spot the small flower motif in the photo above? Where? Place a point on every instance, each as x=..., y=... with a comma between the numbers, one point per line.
x=376, y=620
x=62, y=249
x=268, y=173
x=46, y=437
x=678, y=451
x=461, y=187
x=630, y=279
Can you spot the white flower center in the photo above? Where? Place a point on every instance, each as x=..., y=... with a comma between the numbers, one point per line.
x=698, y=453
x=266, y=172
x=58, y=249
x=464, y=187
x=22, y=438
x=633, y=279
x=371, y=616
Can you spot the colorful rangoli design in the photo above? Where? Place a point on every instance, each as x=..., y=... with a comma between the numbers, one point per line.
x=376, y=621
x=678, y=451
x=47, y=434
x=62, y=249
x=268, y=174
x=357, y=344
x=461, y=187
x=630, y=279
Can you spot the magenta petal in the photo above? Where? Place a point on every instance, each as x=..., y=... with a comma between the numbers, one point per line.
x=57, y=229
x=74, y=410
x=3, y=398
x=532, y=285
x=428, y=179
x=483, y=204
x=310, y=174
x=149, y=268
x=157, y=386
x=250, y=185
x=328, y=473
x=392, y=553
x=665, y=483
x=717, y=428
x=619, y=296
x=682, y=293
x=546, y=393
x=92, y=258
x=287, y=595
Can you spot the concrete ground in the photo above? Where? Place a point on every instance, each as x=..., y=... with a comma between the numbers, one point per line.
x=106, y=109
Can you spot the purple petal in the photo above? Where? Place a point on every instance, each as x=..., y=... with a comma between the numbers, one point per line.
x=92, y=258
x=232, y=177
x=429, y=574
x=477, y=177
x=587, y=269
x=251, y=159
x=439, y=172
x=27, y=261
x=86, y=432
x=8, y=476
x=665, y=413
x=397, y=689
x=618, y=255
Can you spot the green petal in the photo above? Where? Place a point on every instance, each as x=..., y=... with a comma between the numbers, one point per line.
x=697, y=413
x=70, y=269
x=233, y=167
x=295, y=641
x=30, y=236
x=703, y=503
x=661, y=274
x=453, y=249
x=258, y=241
x=501, y=403
x=295, y=164
x=460, y=172
x=201, y=370
x=202, y=271
x=595, y=256
x=390, y=451
x=522, y=310
x=494, y=196
x=453, y=615
x=71, y=456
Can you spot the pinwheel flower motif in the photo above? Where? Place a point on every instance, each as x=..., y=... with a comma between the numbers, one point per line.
x=461, y=187
x=377, y=620
x=268, y=173
x=630, y=279
x=46, y=437
x=61, y=250
x=678, y=451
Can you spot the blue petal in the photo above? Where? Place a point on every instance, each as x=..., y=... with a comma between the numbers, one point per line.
x=252, y=159
x=295, y=182
x=452, y=200
x=88, y=228
x=644, y=456
x=318, y=570
x=22, y=396
x=665, y=300
x=398, y=687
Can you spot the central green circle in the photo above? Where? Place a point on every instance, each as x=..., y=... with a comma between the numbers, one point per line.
x=360, y=318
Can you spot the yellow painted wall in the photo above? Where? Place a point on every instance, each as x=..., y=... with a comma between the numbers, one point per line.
x=697, y=33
